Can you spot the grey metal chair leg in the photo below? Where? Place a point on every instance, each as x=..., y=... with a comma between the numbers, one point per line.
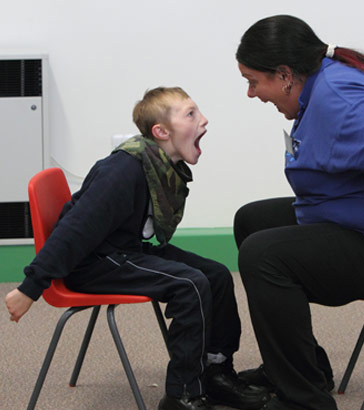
x=352, y=362
x=124, y=358
x=50, y=353
x=161, y=322
x=84, y=346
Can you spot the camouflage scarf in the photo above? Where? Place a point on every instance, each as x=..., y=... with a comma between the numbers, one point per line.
x=167, y=183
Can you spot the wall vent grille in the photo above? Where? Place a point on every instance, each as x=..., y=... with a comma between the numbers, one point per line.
x=15, y=221
x=20, y=78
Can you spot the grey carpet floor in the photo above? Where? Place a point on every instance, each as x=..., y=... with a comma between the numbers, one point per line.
x=102, y=384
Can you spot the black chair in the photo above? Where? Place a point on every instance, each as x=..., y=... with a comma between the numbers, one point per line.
x=351, y=364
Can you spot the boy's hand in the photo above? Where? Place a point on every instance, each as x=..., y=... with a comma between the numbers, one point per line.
x=18, y=304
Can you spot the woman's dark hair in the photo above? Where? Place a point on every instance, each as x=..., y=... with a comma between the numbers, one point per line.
x=287, y=40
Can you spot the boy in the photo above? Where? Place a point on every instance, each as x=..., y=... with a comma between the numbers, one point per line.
x=98, y=247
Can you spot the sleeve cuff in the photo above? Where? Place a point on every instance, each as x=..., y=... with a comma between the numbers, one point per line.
x=31, y=289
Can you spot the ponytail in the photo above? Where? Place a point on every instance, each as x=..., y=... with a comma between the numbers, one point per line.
x=349, y=57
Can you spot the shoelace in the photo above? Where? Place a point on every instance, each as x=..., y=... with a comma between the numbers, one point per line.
x=200, y=402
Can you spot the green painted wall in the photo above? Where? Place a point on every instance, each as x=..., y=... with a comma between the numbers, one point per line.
x=214, y=243
x=13, y=258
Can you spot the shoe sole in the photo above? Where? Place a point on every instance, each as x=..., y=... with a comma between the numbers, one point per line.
x=237, y=405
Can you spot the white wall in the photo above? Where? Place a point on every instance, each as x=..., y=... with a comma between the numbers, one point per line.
x=104, y=54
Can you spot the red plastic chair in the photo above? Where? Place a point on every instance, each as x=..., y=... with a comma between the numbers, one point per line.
x=48, y=191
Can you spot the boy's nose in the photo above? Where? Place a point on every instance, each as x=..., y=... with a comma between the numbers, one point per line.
x=204, y=120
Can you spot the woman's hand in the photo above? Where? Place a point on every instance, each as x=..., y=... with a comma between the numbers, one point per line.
x=18, y=304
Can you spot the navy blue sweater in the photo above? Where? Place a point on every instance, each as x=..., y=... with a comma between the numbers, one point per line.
x=105, y=216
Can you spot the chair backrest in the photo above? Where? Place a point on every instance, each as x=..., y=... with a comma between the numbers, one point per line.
x=48, y=192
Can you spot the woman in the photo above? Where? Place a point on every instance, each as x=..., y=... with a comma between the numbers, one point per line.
x=309, y=248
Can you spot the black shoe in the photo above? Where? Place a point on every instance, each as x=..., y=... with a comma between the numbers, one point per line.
x=258, y=377
x=224, y=387
x=184, y=403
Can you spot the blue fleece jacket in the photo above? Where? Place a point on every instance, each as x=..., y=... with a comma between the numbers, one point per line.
x=326, y=168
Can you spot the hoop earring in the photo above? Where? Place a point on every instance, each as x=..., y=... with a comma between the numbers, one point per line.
x=287, y=88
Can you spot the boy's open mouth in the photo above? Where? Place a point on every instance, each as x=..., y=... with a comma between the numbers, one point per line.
x=197, y=141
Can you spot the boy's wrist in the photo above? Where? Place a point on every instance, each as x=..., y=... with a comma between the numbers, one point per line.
x=31, y=289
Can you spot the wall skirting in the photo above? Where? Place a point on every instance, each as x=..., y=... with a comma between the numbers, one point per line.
x=214, y=243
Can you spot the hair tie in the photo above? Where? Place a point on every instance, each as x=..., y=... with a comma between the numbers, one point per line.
x=330, y=50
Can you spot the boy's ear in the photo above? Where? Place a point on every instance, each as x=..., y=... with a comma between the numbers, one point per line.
x=160, y=132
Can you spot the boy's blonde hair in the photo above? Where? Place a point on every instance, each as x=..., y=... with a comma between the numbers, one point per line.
x=155, y=108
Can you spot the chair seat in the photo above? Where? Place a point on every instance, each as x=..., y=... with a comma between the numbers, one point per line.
x=61, y=296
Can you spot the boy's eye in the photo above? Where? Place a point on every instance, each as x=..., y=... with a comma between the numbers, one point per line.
x=190, y=114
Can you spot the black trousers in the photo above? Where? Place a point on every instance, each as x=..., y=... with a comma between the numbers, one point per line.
x=200, y=299
x=284, y=267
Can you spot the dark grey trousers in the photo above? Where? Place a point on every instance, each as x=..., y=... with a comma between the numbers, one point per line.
x=200, y=299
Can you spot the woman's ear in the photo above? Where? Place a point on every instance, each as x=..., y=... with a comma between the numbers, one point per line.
x=160, y=132
x=285, y=73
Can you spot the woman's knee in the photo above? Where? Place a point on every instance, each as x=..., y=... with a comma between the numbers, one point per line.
x=241, y=229
x=261, y=215
x=247, y=220
x=260, y=258
x=266, y=256
x=251, y=253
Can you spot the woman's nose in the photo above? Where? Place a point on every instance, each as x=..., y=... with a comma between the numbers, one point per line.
x=251, y=92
